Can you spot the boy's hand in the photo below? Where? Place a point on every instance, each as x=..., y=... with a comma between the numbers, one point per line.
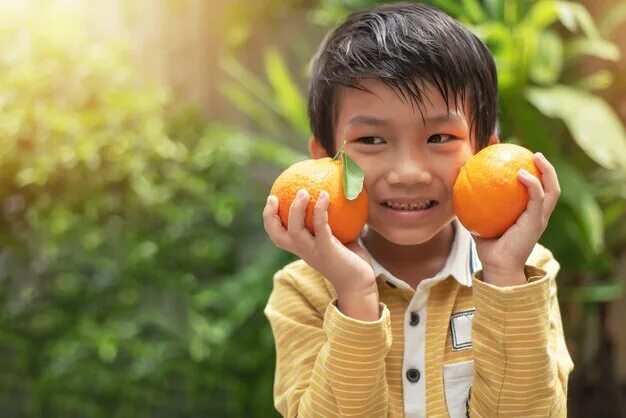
x=347, y=267
x=503, y=258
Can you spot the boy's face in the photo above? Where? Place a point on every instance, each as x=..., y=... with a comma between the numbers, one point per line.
x=406, y=159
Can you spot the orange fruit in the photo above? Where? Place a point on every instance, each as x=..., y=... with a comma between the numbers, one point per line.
x=346, y=218
x=488, y=196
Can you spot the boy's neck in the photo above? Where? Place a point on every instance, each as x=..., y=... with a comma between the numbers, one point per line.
x=411, y=263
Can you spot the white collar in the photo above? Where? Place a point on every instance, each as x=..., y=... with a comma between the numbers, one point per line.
x=462, y=262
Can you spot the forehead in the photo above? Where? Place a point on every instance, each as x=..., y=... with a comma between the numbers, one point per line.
x=382, y=101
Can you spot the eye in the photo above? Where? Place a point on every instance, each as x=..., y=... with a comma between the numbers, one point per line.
x=440, y=138
x=371, y=140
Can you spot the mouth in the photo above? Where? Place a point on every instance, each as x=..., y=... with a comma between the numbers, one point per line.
x=409, y=207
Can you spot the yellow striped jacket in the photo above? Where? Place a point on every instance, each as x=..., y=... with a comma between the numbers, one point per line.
x=487, y=351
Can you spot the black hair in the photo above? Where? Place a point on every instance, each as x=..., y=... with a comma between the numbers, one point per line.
x=404, y=45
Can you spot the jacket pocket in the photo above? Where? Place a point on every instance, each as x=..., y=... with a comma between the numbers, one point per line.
x=457, y=378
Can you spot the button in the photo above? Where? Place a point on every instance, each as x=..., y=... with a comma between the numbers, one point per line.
x=391, y=285
x=413, y=375
x=415, y=319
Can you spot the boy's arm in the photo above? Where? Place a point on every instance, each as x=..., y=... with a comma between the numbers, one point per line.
x=330, y=366
x=521, y=363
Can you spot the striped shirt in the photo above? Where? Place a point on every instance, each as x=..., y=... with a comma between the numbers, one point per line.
x=454, y=346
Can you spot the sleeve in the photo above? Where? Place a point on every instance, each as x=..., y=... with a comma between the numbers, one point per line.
x=521, y=361
x=330, y=366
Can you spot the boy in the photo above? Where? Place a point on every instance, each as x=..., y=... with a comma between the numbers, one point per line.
x=417, y=317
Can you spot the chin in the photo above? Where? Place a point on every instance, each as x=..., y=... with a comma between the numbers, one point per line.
x=417, y=235
x=405, y=236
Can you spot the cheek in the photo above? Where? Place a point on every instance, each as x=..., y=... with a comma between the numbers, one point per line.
x=370, y=168
x=452, y=175
x=447, y=170
x=452, y=167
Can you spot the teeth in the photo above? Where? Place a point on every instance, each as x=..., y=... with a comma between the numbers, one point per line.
x=409, y=206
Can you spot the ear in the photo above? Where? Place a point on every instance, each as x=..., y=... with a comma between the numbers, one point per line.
x=493, y=139
x=316, y=150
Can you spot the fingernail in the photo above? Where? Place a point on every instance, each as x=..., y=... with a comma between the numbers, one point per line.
x=540, y=155
x=524, y=173
x=269, y=200
x=323, y=196
x=301, y=193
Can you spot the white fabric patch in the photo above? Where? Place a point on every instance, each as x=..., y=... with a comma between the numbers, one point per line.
x=461, y=329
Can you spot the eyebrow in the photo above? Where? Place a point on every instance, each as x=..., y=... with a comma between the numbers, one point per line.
x=374, y=121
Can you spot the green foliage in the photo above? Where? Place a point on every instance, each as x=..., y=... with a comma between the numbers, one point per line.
x=277, y=107
x=130, y=264
x=133, y=264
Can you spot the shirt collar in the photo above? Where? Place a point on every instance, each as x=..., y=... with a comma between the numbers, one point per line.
x=462, y=262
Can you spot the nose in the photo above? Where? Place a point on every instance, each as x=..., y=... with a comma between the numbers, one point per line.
x=408, y=171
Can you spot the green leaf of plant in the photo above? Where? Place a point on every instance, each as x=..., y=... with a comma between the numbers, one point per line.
x=510, y=12
x=247, y=104
x=576, y=193
x=541, y=15
x=451, y=7
x=238, y=72
x=597, y=293
x=592, y=47
x=574, y=16
x=353, y=177
x=494, y=8
x=268, y=150
x=286, y=94
x=547, y=64
x=474, y=10
x=592, y=122
x=600, y=80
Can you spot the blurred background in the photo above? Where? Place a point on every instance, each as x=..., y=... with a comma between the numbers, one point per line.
x=139, y=140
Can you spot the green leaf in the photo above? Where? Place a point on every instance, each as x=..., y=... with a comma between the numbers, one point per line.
x=493, y=33
x=353, y=177
x=510, y=13
x=268, y=150
x=609, y=184
x=592, y=47
x=288, y=99
x=474, y=10
x=498, y=38
x=247, y=104
x=574, y=16
x=576, y=193
x=235, y=70
x=592, y=122
x=600, y=80
x=494, y=8
x=546, y=67
x=541, y=15
x=450, y=6
x=597, y=293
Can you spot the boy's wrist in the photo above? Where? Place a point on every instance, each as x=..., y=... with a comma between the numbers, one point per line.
x=503, y=278
x=361, y=305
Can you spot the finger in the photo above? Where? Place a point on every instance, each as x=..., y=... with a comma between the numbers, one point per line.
x=296, y=228
x=274, y=227
x=323, y=233
x=550, y=181
x=534, y=208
